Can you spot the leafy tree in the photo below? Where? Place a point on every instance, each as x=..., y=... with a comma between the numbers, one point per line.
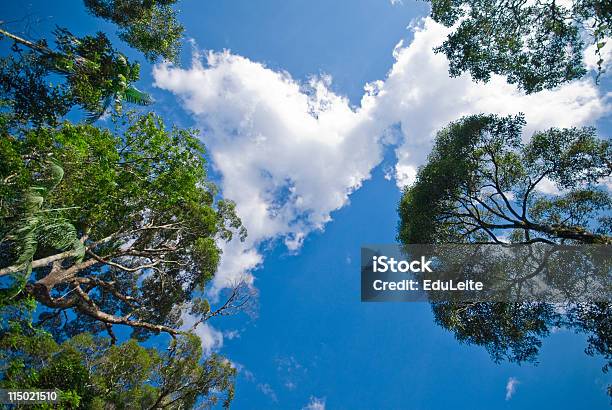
x=29, y=358
x=100, y=228
x=38, y=227
x=93, y=373
x=482, y=185
x=535, y=44
x=137, y=224
x=95, y=74
x=149, y=26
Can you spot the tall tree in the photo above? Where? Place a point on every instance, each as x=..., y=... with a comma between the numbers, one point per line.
x=535, y=44
x=101, y=228
x=483, y=185
x=126, y=235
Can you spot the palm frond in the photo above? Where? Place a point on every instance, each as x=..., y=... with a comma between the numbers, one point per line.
x=43, y=227
x=135, y=96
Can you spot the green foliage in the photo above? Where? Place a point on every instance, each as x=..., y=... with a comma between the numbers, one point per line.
x=595, y=319
x=508, y=331
x=514, y=331
x=27, y=92
x=104, y=228
x=141, y=205
x=481, y=183
x=95, y=76
x=536, y=45
x=149, y=26
x=185, y=381
x=38, y=227
x=92, y=373
x=31, y=359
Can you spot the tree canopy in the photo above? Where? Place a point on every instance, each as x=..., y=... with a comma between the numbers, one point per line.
x=94, y=373
x=95, y=76
x=535, y=44
x=149, y=26
x=106, y=226
x=484, y=183
x=118, y=229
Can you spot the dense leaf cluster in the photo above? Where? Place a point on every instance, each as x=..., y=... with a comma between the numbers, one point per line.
x=41, y=85
x=535, y=44
x=91, y=372
x=149, y=26
x=482, y=183
x=106, y=227
x=141, y=208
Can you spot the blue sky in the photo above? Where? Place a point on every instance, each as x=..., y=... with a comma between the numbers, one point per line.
x=313, y=190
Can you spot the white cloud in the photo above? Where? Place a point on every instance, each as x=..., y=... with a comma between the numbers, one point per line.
x=238, y=260
x=249, y=375
x=511, y=387
x=396, y=2
x=420, y=95
x=265, y=388
x=315, y=403
x=231, y=334
x=607, y=183
x=290, y=154
x=547, y=186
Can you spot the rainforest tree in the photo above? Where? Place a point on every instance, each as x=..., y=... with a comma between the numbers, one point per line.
x=95, y=76
x=535, y=44
x=92, y=372
x=106, y=227
x=117, y=229
x=483, y=184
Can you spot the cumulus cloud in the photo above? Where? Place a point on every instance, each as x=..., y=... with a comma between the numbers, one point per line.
x=290, y=154
x=315, y=403
x=511, y=387
x=420, y=95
